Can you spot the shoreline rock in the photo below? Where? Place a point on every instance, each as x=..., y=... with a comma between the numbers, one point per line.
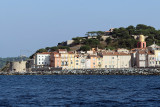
x=131, y=71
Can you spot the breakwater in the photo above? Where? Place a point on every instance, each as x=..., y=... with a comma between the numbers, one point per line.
x=130, y=71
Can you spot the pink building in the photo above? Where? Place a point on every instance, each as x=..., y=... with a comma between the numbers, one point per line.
x=55, y=59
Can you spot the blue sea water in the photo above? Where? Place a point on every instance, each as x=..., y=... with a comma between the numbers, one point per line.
x=79, y=90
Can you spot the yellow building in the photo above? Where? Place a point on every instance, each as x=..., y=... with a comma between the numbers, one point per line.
x=71, y=60
x=77, y=61
x=64, y=58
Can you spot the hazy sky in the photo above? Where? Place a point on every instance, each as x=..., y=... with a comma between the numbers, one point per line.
x=33, y=24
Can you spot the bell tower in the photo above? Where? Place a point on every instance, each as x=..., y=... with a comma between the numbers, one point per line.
x=141, y=43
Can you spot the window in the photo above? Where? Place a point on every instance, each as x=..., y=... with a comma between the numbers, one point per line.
x=42, y=62
x=71, y=62
x=62, y=64
x=76, y=60
x=93, y=63
x=76, y=63
x=112, y=57
x=39, y=63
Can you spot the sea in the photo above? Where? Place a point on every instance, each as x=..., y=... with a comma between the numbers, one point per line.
x=79, y=91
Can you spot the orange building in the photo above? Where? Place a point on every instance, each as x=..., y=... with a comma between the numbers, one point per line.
x=93, y=59
x=55, y=59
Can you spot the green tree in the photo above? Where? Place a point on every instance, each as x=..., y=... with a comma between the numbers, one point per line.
x=108, y=40
x=85, y=48
x=41, y=50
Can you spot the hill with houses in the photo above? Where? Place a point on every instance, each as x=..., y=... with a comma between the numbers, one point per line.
x=113, y=39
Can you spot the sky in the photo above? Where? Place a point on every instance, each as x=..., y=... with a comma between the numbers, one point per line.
x=28, y=25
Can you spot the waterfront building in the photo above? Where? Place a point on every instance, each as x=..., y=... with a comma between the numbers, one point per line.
x=42, y=59
x=82, y=59
x=93, y=59
x=71, y=60
x=116, y=60
x=64, y=58
x=99, y=61
x=77, y=61
x=55, y=60
x=141, y=57
x=151, y=59
x=88, y=63
x=156, y=50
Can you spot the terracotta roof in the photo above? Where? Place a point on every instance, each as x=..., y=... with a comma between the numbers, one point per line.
x=55, y=52
x=115, y=53
x=44, y=53
x=108, y=31
x=62, y=49
x=92, y=55
x=70, y=52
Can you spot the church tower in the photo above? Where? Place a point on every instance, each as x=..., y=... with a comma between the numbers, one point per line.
x=141, y=43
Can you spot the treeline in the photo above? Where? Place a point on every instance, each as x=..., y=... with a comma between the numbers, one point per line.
x=124, y=36
x=4, y=61
x=119, y=38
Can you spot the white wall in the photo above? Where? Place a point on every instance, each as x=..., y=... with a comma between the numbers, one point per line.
x=42, y=59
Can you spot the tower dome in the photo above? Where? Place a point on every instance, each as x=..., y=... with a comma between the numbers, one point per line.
x=141, y=38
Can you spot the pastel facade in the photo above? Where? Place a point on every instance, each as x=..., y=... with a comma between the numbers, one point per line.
x=55, y=60
x=88, y=63
x=151, y=60
x=71, y=60
x=156, y=50
x=64, y=58
x=77, y=62
x=99, y=62
x=93, y=59
x=141, y=58
x=116, y=60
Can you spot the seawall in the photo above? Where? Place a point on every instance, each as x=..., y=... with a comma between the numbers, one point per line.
x=131, y=71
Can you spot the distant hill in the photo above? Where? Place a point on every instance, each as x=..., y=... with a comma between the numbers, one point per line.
x=3, y=61
x=113, y=39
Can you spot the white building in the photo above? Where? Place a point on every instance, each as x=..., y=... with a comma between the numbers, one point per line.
x=116, y=60
x=42, y=59
x=141, y=58
x=88, y=63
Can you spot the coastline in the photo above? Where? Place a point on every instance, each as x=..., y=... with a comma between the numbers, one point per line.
x=130, y=71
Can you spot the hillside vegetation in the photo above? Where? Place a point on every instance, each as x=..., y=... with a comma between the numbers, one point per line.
x=119, y=38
